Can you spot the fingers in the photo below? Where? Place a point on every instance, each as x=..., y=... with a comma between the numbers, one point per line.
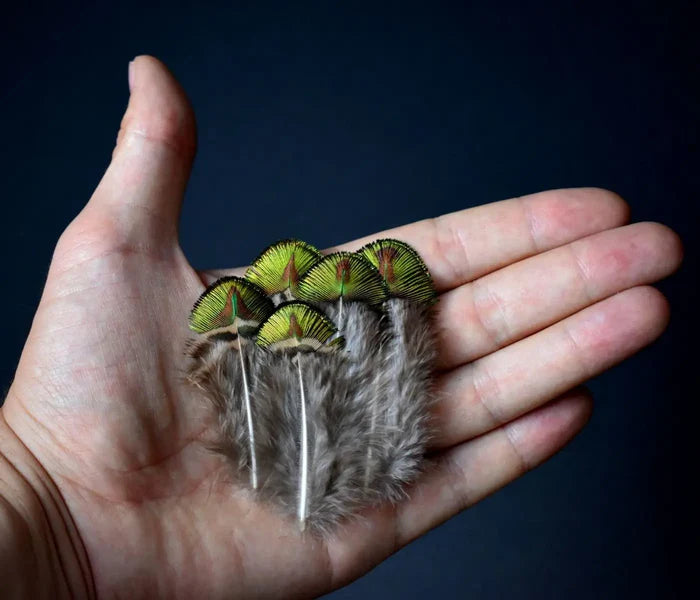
x=493, y=390
x=461, y=246
x=138, y=200
x=511, y=303
x=464, y=245
x=471, y=471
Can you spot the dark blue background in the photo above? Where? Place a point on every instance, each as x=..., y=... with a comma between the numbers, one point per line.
x=327, y=123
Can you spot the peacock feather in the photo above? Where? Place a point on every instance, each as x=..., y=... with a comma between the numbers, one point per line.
x=230, y=304
x=279, y=266
x=402, y=269
x=321, y=425
x=298, y=326
x=343, y=275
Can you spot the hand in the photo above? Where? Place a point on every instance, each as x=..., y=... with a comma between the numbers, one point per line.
x=101, y=456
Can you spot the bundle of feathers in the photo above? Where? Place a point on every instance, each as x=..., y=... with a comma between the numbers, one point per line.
x=320, y=368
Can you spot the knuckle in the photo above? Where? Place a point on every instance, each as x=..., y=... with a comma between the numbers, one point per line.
x=84, y=239
x=171, y=126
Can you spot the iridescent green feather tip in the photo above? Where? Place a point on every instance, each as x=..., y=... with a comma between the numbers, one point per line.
x=298, y=326
x=343, y=275
x=280, y=266
x=230, y=304
x=402, y=269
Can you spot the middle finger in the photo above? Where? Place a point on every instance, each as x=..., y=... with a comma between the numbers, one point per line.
x=507, y=305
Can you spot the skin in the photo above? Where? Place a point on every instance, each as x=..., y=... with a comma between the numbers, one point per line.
x=105, y=488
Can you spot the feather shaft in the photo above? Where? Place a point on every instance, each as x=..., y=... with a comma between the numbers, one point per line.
x=304, y=455
x=249, y=418
x=368, y=458
x=340, y=314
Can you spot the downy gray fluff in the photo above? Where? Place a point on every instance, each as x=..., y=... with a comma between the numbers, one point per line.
x=322, y=404
x=366, y=409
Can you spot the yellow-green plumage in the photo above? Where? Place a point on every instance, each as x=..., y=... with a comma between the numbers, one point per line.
x=229, y=303
x=298, y=326
x=343, y=275
x=281, y=265
x=402, y=270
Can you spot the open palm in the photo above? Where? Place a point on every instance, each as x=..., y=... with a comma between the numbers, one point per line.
x=538, y=294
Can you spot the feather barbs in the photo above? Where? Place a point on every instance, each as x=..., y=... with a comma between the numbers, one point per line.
x=230, y=304
x=343, y=275
x=402, y=269
x=298, y=326
x=279, y=266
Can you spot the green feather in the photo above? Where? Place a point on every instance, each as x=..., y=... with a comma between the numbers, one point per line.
x=343, y=275
x=298, y=326
x=280, y=266
x=402, y=269
x=230, y=303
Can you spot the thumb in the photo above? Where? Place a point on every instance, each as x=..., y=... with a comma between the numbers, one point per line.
x=140, y=195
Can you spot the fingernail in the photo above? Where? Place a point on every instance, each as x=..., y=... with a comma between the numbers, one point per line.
x=131, y=75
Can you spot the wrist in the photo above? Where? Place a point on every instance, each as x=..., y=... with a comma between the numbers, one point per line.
x=41, y=555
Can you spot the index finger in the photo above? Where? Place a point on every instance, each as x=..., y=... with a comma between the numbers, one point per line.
x=461, y=246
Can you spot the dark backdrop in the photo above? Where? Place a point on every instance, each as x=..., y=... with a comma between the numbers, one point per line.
x=398, y=113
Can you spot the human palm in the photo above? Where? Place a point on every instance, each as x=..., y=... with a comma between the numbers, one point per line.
x=538, y=294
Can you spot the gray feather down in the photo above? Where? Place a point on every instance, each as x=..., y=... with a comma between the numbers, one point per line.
x=366, y=406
